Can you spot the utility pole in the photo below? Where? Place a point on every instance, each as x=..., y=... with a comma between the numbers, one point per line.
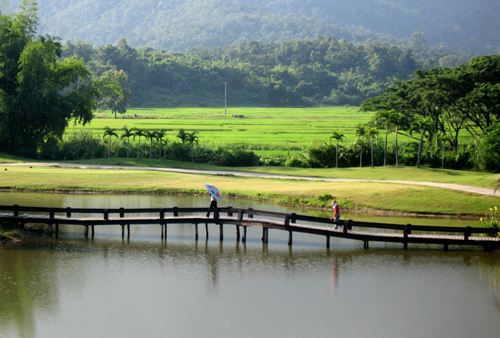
x=225, y=98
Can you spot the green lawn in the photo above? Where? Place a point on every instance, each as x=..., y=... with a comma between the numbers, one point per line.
x=359, y=195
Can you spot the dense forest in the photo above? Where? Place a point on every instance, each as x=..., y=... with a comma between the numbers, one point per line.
x=322, y=71
x=176, y=25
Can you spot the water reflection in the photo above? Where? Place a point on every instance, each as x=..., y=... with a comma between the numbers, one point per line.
x=35, y=274
x=149, y=286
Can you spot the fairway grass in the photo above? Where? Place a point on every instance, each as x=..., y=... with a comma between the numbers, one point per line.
x=366, y=196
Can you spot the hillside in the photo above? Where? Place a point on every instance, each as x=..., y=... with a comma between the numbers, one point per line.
x=176, y=25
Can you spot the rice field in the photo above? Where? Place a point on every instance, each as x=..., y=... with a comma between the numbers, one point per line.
x=271, y=130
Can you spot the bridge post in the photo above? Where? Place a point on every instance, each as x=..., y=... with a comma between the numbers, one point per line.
x=106, y=214
x=328, y=242
x=229, y=211
x=86, y=231
x=16, y=210
x=162, y=214
x=287, y=226
x=196, y=231
x=176, y=212
x=407, y=231
x=250, y=215
x=92, y=231
x=293, y=218
x=221, y=229
x=237, y=233
x=347, y=226
x=122, y=212
x=57, y=230
x=68, y=212
x=244, y=239
x=265, y=235
x=206, y=231
x=49, y=225
x=240, y=215
x=467, y=233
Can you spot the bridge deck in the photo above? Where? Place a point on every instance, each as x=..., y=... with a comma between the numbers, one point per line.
x=290, y=223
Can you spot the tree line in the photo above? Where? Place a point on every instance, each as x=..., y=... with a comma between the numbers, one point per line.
x=451, y=105
x=320, y=71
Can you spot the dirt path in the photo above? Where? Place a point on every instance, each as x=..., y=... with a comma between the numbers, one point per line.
x=452, y=186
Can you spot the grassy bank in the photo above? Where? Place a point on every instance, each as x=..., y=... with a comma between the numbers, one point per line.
x=472, y=178
x=387, y=197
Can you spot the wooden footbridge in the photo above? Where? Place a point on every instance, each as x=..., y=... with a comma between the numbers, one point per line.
x=242, y=218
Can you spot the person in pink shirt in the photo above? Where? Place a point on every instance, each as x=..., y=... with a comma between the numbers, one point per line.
x=336, y=213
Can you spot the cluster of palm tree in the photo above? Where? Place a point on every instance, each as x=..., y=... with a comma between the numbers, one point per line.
x=363, y=132
x=391, y=121
x=153, y=136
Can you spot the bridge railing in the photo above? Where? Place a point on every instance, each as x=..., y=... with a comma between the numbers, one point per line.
x=241, y=213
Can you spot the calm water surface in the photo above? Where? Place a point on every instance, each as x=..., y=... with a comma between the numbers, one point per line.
x=146, y=287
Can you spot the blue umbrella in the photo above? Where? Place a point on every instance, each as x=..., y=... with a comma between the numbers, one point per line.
x=212, y=189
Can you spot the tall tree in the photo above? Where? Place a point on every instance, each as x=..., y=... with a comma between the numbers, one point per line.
x=150, y=135
x=338, y=136
x=383, y=119
x=115, y=94
x=159, y=135
x=423, y=126
x=361, y=133
x=138, y=133
x=127, y=133
x=109, y=132
x=182, y=135
x=192, y=139
x=39, y=94
x=372, y=134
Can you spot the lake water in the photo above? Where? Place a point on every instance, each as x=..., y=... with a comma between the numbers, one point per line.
x=149, y=287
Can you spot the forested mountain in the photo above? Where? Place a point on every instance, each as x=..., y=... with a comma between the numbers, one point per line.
x=176, y=25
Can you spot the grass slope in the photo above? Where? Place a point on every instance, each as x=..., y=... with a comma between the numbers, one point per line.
x=360, y=195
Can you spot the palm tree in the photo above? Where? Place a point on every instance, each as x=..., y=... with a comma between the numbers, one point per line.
x=182, y=135
x=372, y=133
x=139, y=133
x=109, y=132
x=383, y=118
x=150, y=135
x=339, y=137
x=443, y=139
x=127, y=133
x=159, y=135
x=192, y=139
x=361, y=132
x=395, y=119
x=423, y=126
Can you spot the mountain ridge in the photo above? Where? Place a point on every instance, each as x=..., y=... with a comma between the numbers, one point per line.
x=176, y=25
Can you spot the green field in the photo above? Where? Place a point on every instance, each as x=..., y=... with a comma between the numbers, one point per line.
x=268, y=131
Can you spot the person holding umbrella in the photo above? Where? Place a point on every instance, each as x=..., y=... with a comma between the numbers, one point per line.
x=214, y=197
